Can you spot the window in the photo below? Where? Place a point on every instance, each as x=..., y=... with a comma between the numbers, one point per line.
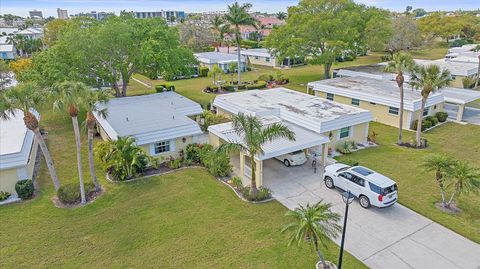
x=355, y=102
x=330, y=96
x=344, y=132
x=426, y=111
x=346, y=175
x=393, y=110
x=161, y=147
x=358, y=180
x=373, y=103
x=267, y=59
x=256, y=57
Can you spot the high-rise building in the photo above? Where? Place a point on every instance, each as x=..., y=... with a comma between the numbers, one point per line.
x=62, y=13
x=166, y=14
x=96, y=15
x=36, y=14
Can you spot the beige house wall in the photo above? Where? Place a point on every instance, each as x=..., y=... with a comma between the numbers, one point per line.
x=381, y=112
x=262, y=61
x=175, y=153
x=358, y=133
x=9, y=177
x=457, y=82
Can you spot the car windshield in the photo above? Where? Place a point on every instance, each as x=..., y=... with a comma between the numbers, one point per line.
x=342, y=169
x=296, y=152
x=362, y=171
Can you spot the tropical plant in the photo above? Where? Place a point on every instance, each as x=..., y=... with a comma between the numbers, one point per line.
x=281, y=15
x=122, y=158
x=314, y=224
x=94, y=102
x=401, y=62
x=464, y=179
x=216, y=73
x=238, y=15
x=4, y=70
x=24, y=99
x=253, y=136
x=220, y=28
x=442, y=166
x=231, y=70
x=68, y=98
x=4, y=195
x=427, y=79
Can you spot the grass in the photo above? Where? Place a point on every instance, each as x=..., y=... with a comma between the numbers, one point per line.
x=417, y=189
x=430, y=53
x=182, y=220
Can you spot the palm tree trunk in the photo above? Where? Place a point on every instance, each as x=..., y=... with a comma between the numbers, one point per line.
x=90, y=160
x=400, y=123
x=48, y=159
x=253, y=184
x=419, y=123
x=450, y=201
x=439, y=178
x=478, y=73
x=239, y=64
x=76, y=131
x=317, y=249
x=327, y=68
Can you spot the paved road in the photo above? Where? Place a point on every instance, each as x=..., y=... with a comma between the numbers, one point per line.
x=395, y=237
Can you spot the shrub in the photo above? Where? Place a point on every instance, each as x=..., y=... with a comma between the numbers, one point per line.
x=203, y=71
x=460, y=42
x=386, y=58
x=372, y=137
x=24, y=189
x=210, y=118
x=175, y=163
x=4, y=195
x=192, y=153
x=441, y=116
x=70, y=193
x=432, y=120
x=425, y=124
x=164, y=87
x=237, y=182
x=345, y=148
x=262, y=193
x=217, y=163
x=468, y=82
x=259, y=85
x=265, y=77
x=249, y=44
x=350, y=162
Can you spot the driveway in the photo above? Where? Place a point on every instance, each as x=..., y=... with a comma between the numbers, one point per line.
x=472, y=115
x=394, y=237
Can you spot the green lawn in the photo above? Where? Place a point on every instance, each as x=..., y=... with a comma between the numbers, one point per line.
x=418, y=190
x=182, y=220
x=430, y=53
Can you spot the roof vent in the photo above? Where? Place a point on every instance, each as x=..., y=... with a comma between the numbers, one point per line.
x=173, y=117
x=127, y=118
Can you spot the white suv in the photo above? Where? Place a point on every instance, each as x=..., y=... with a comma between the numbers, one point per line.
x=293, y=158
x=371, y=188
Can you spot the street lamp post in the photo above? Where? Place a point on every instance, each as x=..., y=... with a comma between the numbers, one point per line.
x=347, y=199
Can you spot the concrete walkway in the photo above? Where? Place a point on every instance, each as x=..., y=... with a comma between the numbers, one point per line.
x=394, y=237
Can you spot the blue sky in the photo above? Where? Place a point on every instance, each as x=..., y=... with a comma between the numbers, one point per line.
x=21, y=7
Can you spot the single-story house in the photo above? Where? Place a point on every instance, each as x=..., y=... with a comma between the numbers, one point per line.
x=458, y=70
x=318, y=124
x=456, y=99
x=162, y=123
x=7, y=52
x=31, y=32
x=462, y=49
x=381, y=97
x=18, y=149
x=262, y=56
x=375, y=71
x=223, y=60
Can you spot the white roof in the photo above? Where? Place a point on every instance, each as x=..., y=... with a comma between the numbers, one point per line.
x=30, y=31
x=465, y=59
x=261, y=52
x=15, y=141
x=307, y=111
x=460, y=96
x=6, y=48
x=464, y=48
x=216, y=57
x=151, y=118
x=303, y=138
x=455, y=68
x=379, y=91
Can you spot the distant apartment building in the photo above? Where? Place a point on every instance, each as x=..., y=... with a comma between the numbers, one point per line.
x=62, y=13
x=166, y=14
x=96, y=15
x=36, y=14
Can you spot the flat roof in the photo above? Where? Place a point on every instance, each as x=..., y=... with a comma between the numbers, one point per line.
x=303, y=138
x=374, y=90
x=15, y=141
x=460, y=96
x=313, y=113
x=455, y=68
x=216, y=57
x=261, y=52
x=371, y=69
x=151, y=118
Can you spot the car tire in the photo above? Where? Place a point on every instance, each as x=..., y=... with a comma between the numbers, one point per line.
x=329, y=182
x=364, y=201
x=286, y=163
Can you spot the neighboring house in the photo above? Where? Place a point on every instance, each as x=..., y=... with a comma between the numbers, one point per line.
x=7, y=52
x=31, y=32
x=18, y=149
x=456, y=99
x=458, y=70
x=318, y=124
x=262, y=56
x=381, y=97
x=265, y=26
x=161, y=123
x=375, y=71
x=462, y=49
x=223, y=60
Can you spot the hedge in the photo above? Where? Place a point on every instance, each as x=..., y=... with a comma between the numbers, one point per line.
x=203, y=71
x=164, y=88
x=441, y=116
x=24, y=188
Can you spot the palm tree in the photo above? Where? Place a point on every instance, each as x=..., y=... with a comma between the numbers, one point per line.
x=26, y=97
x=238, y=16
x=401, y=63
x=313, y=223
x=428, y=79
x=94, y=102
x=465, y=179
x=477, y=49
x=442, y=165
x=281, y=15
x=254, y=136
x=216, y=73
x=216, y=26
x=69, y=97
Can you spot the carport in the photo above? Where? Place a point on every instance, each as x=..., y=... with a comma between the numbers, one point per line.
x=305, y=140
x=456, y=99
